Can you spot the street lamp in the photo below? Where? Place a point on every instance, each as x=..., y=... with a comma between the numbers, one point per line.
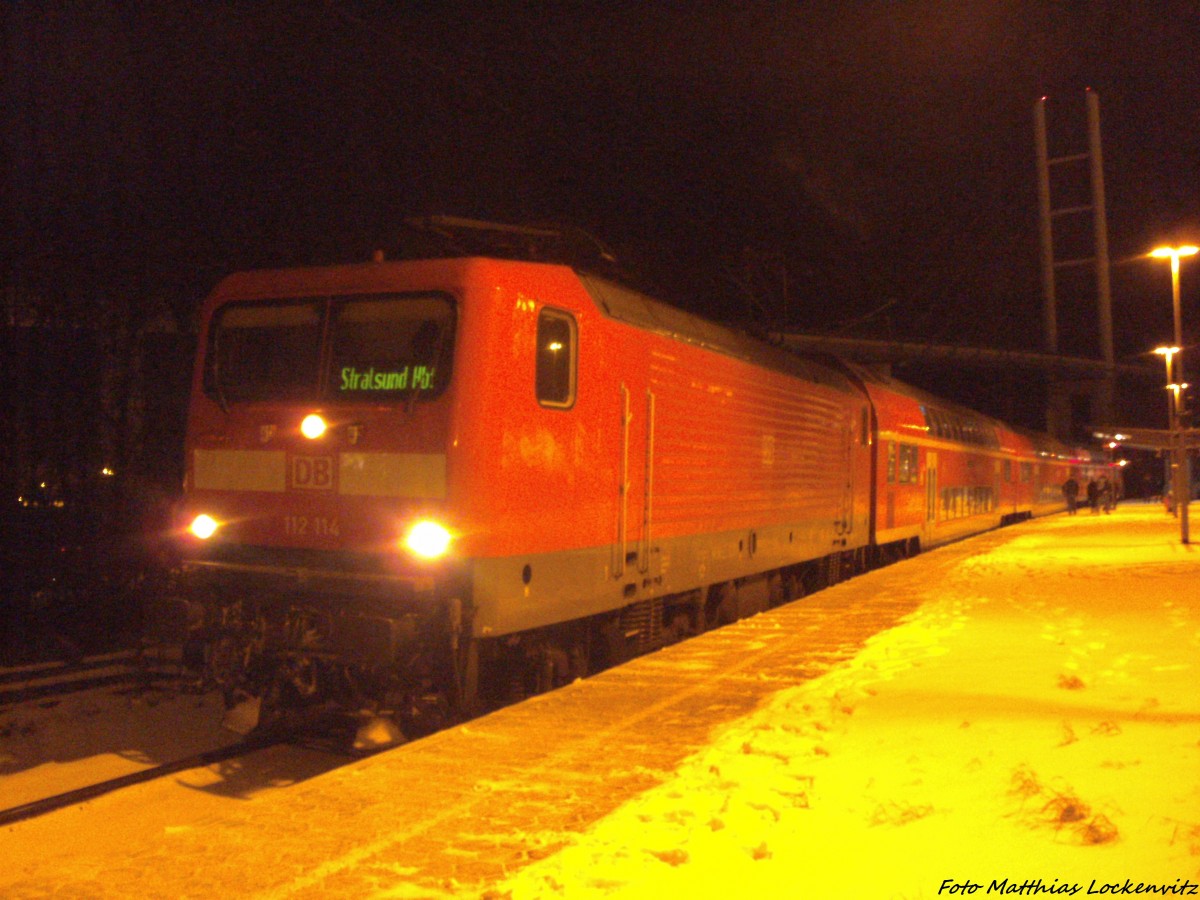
x=1168, y=353
x=1173, y=254
x=1183, y=477
x=1182, y=471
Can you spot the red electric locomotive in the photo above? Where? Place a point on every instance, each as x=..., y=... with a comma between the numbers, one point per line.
x=462, y=478
x=424, y=486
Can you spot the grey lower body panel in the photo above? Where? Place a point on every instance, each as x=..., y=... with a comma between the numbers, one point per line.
x=519, y=593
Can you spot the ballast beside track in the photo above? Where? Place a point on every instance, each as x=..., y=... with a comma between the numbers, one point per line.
x=56, y=679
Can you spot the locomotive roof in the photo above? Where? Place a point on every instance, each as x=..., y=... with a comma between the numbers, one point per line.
x=635, y=308
x=613, y=299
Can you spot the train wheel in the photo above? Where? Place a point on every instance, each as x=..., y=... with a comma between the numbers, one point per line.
x=831, y=570
x=776, y=590
x=580, y=661
x=793, y=586
x=679, y=627
x=722, y=606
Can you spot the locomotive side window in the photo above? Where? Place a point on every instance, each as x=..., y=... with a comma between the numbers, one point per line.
x=555, y=372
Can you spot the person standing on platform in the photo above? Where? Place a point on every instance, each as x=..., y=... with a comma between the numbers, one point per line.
x=1070, y=490
x=1107, y=498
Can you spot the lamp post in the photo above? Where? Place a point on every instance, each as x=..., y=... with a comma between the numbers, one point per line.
x=1183, y=477
x=1168, y=353
x=1183, y=469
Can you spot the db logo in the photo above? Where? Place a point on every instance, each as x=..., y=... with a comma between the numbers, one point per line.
x=312, y=473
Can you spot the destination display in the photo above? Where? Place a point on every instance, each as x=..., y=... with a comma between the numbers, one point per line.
x=416, y=378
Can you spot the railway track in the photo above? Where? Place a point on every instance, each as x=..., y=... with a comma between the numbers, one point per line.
x=124, y=672
x=48, y=680
x=90, y=792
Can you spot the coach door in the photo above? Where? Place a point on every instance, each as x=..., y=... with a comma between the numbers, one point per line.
x=931, y=491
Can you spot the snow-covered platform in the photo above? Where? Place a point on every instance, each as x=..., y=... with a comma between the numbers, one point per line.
x=1018, y=712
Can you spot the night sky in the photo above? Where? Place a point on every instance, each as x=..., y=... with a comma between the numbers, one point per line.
x=862, y=168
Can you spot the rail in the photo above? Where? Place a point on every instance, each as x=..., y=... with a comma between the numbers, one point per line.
x=45, y=805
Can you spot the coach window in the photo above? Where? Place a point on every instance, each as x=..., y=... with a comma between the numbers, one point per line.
x=555, y=378
x=908, y=464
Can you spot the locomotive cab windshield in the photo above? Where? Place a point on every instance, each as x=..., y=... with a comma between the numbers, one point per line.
x=331, y=349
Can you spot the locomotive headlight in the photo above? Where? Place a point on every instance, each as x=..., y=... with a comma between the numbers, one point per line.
x=428, y=539
x=313, y=426
x=203, y=526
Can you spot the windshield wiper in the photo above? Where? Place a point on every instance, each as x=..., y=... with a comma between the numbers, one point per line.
x=435, y=357
x=216, y=379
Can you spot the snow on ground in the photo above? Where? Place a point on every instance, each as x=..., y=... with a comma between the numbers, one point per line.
x=55, y=745
x=1033, y=729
